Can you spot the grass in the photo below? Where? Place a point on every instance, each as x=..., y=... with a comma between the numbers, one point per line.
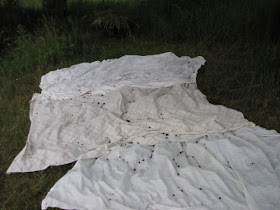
x=238, y=40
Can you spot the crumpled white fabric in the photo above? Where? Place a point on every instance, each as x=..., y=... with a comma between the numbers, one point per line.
x=160, y=135
x=163, y=70
x=217, y=171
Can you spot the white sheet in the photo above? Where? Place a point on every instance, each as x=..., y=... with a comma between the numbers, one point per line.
x=217, y=171
x=120, y=108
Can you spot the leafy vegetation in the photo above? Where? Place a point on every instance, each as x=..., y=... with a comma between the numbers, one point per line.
x=239, y=39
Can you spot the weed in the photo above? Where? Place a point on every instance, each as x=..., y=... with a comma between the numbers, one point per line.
x=114, y=24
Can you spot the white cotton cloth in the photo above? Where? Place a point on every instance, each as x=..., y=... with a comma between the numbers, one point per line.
x=63, y=131
x=217, y=172
x=152, y=71
x=159, y=133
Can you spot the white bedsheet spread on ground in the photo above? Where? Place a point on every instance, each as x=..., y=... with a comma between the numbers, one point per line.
x=146, y=138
